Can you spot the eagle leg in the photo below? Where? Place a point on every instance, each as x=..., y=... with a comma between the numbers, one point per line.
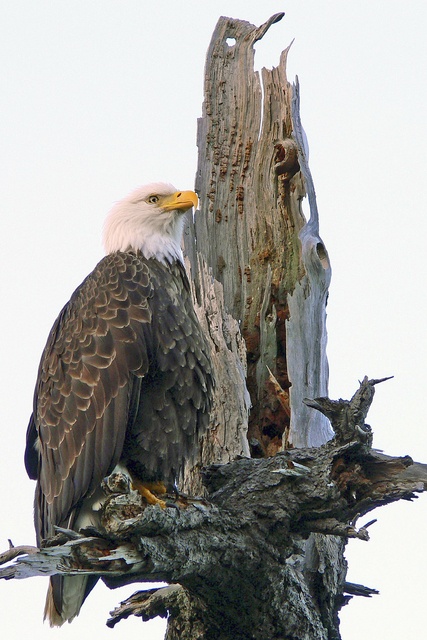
x=148, y=489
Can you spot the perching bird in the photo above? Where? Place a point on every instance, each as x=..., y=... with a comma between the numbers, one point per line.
x=125, y=377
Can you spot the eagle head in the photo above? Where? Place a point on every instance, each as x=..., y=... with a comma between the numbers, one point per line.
x=149, y=220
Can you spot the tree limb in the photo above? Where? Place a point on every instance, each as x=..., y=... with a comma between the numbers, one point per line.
x=263, y=506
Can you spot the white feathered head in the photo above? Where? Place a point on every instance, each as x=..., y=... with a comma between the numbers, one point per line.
x=150, y=219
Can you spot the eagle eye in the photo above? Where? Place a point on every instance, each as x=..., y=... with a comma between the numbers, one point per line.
x=153, y=199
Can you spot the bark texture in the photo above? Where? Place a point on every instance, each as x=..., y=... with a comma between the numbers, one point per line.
x=260, y=554
x=252, y=234
x=243, y=562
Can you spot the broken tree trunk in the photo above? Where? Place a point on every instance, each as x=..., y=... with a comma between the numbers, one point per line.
x=260, y=555
x=254, y=238
x=258, y=254
x=239, y=560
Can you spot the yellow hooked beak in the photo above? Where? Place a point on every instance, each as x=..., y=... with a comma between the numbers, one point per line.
x=181, y=200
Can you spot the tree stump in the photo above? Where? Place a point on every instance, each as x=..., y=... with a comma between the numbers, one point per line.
x=252, y=235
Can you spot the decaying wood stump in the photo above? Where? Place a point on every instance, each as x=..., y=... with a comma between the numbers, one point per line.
x=255, y=240
x=260, y=553
x=242, y=562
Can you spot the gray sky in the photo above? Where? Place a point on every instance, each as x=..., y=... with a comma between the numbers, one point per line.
x=101, y=96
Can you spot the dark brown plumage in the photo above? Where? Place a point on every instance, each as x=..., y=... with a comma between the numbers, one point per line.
x=125, y=378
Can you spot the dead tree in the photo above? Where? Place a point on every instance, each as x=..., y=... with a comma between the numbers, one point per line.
x=284, y=472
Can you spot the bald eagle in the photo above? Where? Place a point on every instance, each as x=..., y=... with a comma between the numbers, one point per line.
x=125, y=377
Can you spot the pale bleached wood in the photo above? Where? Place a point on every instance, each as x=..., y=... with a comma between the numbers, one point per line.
x=306, y=329
x=254, y=237
x=227, y=436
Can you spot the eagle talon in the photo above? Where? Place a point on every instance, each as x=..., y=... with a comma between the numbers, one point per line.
x=183, y=500
x=148, y=489
x=172, y=505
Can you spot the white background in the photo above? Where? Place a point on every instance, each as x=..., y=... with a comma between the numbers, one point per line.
x=100, y=96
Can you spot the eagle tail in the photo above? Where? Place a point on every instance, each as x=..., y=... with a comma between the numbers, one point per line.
x=65, y=597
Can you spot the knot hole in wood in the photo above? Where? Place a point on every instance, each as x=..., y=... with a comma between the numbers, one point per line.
x=322, y=255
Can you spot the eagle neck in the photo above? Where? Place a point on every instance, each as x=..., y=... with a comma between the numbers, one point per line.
x=164, y=249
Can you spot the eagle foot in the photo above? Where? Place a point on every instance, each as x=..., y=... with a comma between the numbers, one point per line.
x=183, y=500
x=148, y=491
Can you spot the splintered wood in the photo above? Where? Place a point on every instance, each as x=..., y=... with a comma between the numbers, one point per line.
x=259, y=248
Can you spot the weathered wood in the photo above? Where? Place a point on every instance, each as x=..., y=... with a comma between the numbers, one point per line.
x=268, y=262
x=237, y=554
x=253, y=236
x=227, y=435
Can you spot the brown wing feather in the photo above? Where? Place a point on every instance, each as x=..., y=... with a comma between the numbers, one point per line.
x=82, y=394
x=172, y=409
x=125, y=375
